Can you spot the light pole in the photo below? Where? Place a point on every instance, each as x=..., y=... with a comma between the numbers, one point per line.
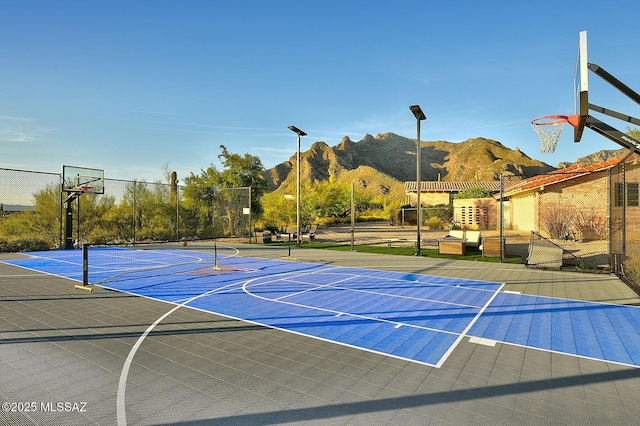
x=417, y=112
x=289, y=197
x=299, y=133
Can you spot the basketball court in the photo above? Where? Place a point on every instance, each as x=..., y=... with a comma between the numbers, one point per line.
x=414, y=317
x=312, y=341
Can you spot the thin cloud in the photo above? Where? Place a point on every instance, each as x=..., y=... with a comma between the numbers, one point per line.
x=20, y=130
x=160, y=113
x=268, y=149
x=12, y=118
x=211, y=126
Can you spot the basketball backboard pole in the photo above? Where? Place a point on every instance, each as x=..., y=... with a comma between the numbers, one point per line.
x=75, y=182
x=615, y=114
x=612, y=134
x=605, y=129
x=603, y=74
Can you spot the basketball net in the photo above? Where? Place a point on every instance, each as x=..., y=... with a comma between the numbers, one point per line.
x=548, y=129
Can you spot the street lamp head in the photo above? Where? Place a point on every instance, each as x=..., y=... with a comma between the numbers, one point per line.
x=297, y=131
x=417, y=111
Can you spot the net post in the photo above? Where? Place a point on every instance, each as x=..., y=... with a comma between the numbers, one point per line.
x=85, y=269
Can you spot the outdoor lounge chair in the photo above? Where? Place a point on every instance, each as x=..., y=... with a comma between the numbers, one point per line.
x=474, y=239
x=456, y=233
x=310, y=233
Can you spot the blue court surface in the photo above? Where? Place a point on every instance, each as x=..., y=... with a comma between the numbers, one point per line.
x=417, y=317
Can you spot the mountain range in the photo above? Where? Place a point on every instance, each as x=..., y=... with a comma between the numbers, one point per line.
x=380, y=165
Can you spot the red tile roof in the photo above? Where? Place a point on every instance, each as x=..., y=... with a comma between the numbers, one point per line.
x=512, y=188
x=557, y=176
x=441, y=186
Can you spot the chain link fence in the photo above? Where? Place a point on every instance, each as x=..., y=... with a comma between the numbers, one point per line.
x=625, y=223
x=33, y=210
x=590, y=222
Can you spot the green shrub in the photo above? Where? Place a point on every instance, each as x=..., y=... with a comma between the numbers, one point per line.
x=23, y=244
x=434, y=223
x=475, y=192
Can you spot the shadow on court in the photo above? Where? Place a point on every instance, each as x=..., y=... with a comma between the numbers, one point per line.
x=413, y=401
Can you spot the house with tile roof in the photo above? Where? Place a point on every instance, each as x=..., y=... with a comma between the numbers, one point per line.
x=574, y=202
x=478, y=213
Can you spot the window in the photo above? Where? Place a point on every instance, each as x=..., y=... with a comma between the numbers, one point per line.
x=632, y=194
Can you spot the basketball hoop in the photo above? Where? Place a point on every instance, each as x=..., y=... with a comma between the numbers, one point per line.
x=86, y=189
x=548, y=129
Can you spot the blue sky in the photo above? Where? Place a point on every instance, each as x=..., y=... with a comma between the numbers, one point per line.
x=128, y=86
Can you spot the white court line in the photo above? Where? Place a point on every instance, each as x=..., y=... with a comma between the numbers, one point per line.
x=336, y=312
x=412, y=268
x=400, y=296
x=44, y=273
x=39, y=274
x=466, y=330
x=378, y=293
x=519, y=345
x=121, y=412
x=55, y=259
x=317, y=287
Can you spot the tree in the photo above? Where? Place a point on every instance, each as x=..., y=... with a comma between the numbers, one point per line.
x=319, y=201
x=475, y=192
x=154, y=215
x=213, y=185
x=46, y=215
x=244, y=171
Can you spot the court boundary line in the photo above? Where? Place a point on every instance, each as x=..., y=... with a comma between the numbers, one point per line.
x=43, y=273
x=466, y=330
x=563, y=353
x=39, y=274
x=121, y=411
